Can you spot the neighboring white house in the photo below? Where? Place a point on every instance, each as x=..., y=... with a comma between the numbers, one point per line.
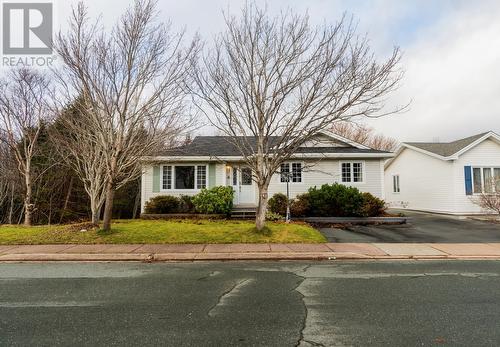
x=213, y=161
x=443, y=177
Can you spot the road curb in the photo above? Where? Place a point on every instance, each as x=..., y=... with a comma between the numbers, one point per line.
x=180, y=257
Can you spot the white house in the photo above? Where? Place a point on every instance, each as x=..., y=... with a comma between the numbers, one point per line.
x=213, y=161
x=443, y=177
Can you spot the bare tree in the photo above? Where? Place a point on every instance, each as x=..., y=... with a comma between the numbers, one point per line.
x=80, y=149
x=365, y=135
x=490, y=199
x=271, y=84
x=25, y=100
x=133, y=81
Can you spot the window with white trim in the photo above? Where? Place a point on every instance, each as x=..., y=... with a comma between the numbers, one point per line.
x=167, y=177
x=201, y=176
x=395, y=184
x=296, y=172
x=183, y=177
x=352, y=172
x=294, y=175
x=486, y=179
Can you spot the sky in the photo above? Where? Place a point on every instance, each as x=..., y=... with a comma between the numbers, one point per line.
x=451, y=53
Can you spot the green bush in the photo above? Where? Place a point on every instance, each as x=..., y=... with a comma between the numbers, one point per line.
x=372, y=206
x=299, y=207
x=162, y=204
x=273, y=217
x=216, y=200
x=277, y=204
x=335, y=200
x=186, y=204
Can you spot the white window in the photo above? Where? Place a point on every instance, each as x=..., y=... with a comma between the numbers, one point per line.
x=285, y=172
x=486, y=179
x=352, y=172
x=296, y=172
x=395, y=184
x=294, y=175
x=167, y=177
x=201, y=176
x=184, y=177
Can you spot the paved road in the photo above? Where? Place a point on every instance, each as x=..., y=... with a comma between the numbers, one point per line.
x=422, y=228
x=251, y=304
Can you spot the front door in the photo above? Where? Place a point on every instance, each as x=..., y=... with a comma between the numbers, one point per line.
x=240, y=178
x=247, y=190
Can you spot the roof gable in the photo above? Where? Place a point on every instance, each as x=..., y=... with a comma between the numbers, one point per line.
x=446, y=150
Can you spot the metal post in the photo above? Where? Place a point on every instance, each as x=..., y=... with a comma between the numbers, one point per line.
x=287, y=218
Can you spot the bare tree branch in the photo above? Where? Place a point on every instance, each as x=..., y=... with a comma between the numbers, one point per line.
x=270, y=84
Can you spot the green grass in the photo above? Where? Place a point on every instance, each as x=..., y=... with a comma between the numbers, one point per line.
x=159, y=231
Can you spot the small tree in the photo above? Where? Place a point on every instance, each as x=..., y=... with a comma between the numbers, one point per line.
x=25, y=104
x=133, y=83
x=270, y=84
x=490, y=200
x=80, y=150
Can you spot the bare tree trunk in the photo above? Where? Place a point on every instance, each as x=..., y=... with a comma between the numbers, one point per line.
x=66, y=201
x=108, y=207
x=28, y=206
x=260, y=216
x=11, y=208
x=96, y=214
x=137, y=202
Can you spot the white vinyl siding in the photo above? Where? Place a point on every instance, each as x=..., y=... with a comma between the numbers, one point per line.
x=435, y=185
x=395, y=184
x=329, y=171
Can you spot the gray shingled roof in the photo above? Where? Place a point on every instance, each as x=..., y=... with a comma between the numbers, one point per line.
x=221, y=146
x=446, y=149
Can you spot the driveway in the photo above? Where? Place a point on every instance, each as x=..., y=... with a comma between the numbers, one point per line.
x=421, y=228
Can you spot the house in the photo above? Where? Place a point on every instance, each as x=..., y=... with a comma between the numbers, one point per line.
x=213, y=161
x=443, y=177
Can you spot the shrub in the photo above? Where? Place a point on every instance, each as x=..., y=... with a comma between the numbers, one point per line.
x=372, y=206
x=162, y=204
x=216, y=200
x=272, y=217
x=186, y=204
x=299, y=206
x=335, y=200
x=277, y=204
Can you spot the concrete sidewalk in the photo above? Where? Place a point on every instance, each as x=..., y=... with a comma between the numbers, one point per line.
x=290, y=251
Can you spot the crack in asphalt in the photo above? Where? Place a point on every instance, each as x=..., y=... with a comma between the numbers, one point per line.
x=211, y=274
x=301, y=339
x=237, y=286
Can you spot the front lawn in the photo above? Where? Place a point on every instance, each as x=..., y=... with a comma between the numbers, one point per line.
x=159, y=231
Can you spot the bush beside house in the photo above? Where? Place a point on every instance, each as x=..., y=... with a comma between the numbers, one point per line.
x=335, y=200
x=217, y=200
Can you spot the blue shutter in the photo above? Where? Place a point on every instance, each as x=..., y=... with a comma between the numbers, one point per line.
x=468, y=180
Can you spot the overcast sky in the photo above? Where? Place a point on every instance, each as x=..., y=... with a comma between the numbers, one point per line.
x=451, y=53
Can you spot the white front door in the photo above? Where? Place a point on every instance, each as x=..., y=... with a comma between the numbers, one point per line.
x=240, y=178
x=247, y=190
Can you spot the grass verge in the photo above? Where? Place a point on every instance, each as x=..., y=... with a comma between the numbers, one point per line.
x=162, y=232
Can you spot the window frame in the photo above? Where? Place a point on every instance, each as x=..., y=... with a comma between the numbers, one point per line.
x=396, y=179
x=481, y=174
x=173, y=189
x=289, y=164
x=352, y=162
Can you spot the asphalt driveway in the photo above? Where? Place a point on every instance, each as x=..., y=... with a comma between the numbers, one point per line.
x=421, y=228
